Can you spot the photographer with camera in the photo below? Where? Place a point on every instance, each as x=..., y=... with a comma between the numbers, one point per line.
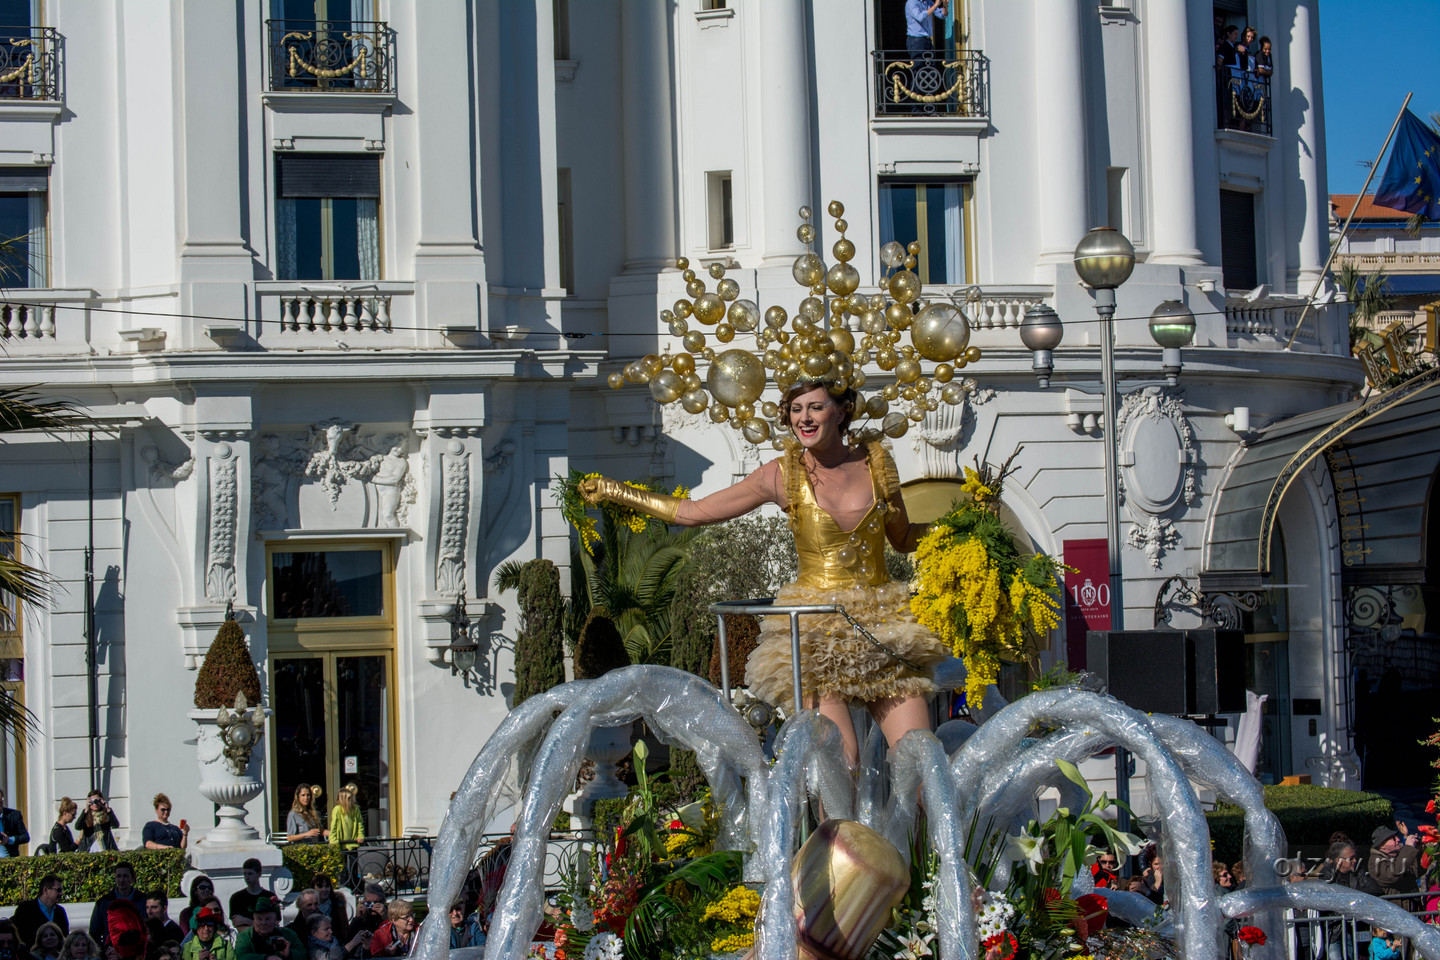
x=265, y=939
x=98, y=825
x=396, y=937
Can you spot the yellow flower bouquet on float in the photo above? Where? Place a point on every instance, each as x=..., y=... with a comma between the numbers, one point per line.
x=977, y=590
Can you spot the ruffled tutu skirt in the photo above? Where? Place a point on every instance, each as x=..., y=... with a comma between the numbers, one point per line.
x=834, y=658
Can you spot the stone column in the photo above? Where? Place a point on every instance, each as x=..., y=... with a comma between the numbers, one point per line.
x=648, y=132
x=1061, y=159
x=784, y=129
x=1308, y=203
x=1172, y=136
x=215, y=262
x=449, y=264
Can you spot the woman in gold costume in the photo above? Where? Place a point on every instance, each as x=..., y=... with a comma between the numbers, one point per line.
x=844, y=501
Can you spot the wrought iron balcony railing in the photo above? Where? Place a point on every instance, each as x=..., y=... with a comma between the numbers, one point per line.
x=331, y=55
x=1243, y=100
x=931, y=84
x=29, y=63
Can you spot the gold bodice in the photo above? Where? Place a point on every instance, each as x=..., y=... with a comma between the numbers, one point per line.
x=831, y=556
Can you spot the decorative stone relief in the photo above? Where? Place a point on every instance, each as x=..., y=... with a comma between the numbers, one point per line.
x=499, y=461
x=162, y=470
x=454, y=518
x=1157, y=451
x=220, y=563
x=1155, y=536
x=334, y=454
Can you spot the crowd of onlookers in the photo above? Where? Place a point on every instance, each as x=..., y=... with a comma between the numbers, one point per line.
x=1244, y=63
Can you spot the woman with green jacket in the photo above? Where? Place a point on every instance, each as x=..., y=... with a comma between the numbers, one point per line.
x=347, y=828
x=207, y=944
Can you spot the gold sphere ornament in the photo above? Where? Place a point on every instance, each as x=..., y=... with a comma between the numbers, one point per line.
x=805, y=212
x=683, y=363
x=755, y=430
x=728, y=289
x=682, y=263
x=736, y=377
x=815, y=364
x=808, y=270
x=898, y=316
x=805, y=233
x=886, y=359
x=683, y=309
x=775, y=317
x=694, y=288
x=952, y=393
x=744, y=315
x=743, y=411
x=724, y=332
x=911, y=262
x=895, y=425
x=872, y=322
x=843, y=250
x=634, y=372
x=709, y=308
x=769, y=409
x=666, y=387
x=876, y=407
x=694, y=341
x=811, y=308
x=692, y=381
x=890, y=392
x=904, y=287
x=842, y=279
x=940, y=332
x=913, y=248
x=842, y=339
x=972, y=354
x=717, y=270
x=836, y=208
x=857, y=378
x=653, y=364
x=841, y=226
x=818, y=289
x=708, y=353
x=688, y=275
x=944, y=373
x=718, y=413
x=678, y=327
x=892, y=254
x=771, y=359
x=616, y=380
x=695, y=401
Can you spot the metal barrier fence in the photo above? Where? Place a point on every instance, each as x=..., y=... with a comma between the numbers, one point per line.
x=1316, y=935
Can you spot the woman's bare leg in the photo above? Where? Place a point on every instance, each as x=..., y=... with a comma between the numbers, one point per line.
x=837, y=709
x=897, y=716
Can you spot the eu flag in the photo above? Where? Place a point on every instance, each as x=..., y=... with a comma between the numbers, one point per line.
x=1412, y=177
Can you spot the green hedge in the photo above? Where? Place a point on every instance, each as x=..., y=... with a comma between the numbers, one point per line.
x=1309, y=814
x=304, y=860
x=89, y=876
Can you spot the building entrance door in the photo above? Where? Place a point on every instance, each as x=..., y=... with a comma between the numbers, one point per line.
x=332, y=729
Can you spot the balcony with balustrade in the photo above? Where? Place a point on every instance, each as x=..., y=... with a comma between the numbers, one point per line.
x=29, y=64
x=931, y=85
x=331, y=56
x=317, y=315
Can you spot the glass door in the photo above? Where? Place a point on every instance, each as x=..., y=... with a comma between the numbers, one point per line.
x=333, y=729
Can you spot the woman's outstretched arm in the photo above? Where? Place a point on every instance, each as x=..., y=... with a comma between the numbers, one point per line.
x=762, y=486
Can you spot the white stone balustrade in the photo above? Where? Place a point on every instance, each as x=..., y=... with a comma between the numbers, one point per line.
x=334, y=312
x=1272, y=316
x=296, y=312
x=27, y=321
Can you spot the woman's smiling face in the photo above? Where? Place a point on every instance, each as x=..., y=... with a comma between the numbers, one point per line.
x=816, y=418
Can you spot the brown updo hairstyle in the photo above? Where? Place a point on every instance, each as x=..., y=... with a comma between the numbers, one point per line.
x=845, y=401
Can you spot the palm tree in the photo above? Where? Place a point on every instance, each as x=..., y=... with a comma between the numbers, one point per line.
x=634, y=574
x=1369, y=296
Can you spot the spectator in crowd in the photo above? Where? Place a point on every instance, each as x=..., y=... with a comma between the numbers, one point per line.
x=242, y=901
x=1384, y=945
x=1340, y=868
x=372, y=912
x=305, y=908
x=49, y=942
x=1227, y=54
x=123, y=891
x=325, y=945
x=218, y=910
x=1224, y=879
x=331, y=905
x=202, y=888
x=160, y=833
x=302, y=825
x=919, y=27
x=208, y=941
x=347, y=827
x=169, y=950
x=1264, y=59
x=10, y=945
x=1106, y=871
x=1394, y=864
x=98, y=824
x=158, y=925
x=13, y=834
x=1247, y=48
x=395, y=937
x=265, y=938
x=79, y=946
x=30, y=915
x=465, y=931
x=60, y=836
x=1237, y=870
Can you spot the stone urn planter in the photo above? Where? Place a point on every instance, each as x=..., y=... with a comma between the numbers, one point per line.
x=227, y=748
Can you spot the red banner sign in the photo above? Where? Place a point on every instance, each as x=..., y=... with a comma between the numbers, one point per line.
x=1087, y=595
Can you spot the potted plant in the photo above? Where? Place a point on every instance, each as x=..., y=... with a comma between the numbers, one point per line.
x=230, y=723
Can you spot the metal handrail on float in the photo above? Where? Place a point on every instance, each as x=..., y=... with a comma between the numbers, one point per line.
x=767, y=607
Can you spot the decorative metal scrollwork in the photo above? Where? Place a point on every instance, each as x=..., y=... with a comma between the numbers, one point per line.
x=331, y=55
x=931, y=84
x=1221, y=610
x=1244, y=100
x=29, y=63
x=1372, y=623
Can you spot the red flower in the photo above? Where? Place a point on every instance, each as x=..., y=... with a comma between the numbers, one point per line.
x=1253, y=936
x=676, y=825
x=1094, y=910
x=1429, y=832
x=1003, y=943
x=1430, y=807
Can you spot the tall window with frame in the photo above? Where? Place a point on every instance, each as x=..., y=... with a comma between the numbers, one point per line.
x=327, y=216
x=12, y=661
x=23, y=207
x=936, y=213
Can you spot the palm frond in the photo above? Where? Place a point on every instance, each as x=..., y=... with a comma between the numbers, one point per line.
x=507, y=575
x=24, y=582
x=16, y=718
x=21, y=409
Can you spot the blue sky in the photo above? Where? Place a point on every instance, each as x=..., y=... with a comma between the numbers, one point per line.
x=1372, y=53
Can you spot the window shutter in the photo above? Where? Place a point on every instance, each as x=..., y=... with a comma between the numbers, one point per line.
x=24, y=179
x=1237, y=240
x=327, y=175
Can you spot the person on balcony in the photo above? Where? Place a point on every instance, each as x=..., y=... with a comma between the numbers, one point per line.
x=347, y=825
x=844, y=502
x=919, y=25
x=302, y=823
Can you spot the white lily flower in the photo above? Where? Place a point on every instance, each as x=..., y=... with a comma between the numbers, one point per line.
x=1130, y=845
x=915, y=947
x=1028, y=850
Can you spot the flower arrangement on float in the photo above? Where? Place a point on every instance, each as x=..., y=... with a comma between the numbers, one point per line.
x=977, y=590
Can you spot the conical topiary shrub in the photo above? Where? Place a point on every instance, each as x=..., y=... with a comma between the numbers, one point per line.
x=539, y=650
x=227, y=670
x=600, y=648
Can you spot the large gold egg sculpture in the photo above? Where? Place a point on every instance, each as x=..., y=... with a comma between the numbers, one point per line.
x=736, y=377
x=940, y=332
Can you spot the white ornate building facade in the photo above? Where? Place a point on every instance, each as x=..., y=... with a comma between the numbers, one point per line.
x=343, y=279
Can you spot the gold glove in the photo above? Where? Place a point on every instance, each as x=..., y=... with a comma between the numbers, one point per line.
x=598, y=490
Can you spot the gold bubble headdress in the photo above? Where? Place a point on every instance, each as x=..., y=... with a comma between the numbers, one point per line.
x=819, y=346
